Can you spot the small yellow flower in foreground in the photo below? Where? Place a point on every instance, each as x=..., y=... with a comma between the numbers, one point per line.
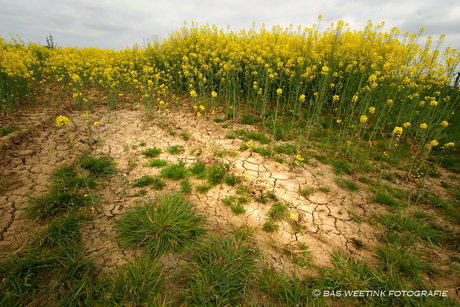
x=86, y=195
x=398, y=131
x=363, y=119
x=390, y=101
x=339, y=121
x=434, y=143
x=248, y=144
x=302, y=97
x=247, y=176
x=325, y=69
x=198, y=114
x=407, y=124
x=372, y=110
x=162, y=102
x=96, y=124
x=450, y=144
x=299, y=157
x=214, y=94
x=292, y=216
x=335, y=98
x=423, y=126
x=279, y=92
x=297, y=162
x=192, y=93
x=116, y=161
x=201, y=107
x=195, y=107
x=277, y=163
x=444, y=123
x=166, y=110
x=62, y=120
x=433, y=103
x=86, y=114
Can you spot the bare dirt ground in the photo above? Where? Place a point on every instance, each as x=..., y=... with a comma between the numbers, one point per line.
x=30, y=155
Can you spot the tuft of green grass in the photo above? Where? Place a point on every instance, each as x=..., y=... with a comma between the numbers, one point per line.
x=230, y=136
x=175, y=171
x=347, y=184
x=140, y=193
x=166, y=224
x=218, y=272
x=139, y=283
x=158, y=183
x=98, y=166
x=216, y=173
x=224, y=126
x=219, y=120
x=176, y=149
x=198, y=169
x=342, y=166
x=277, y=211
x=56, y=202
x=185, y=186
x=238, y=208
x=389, y=177
x=203, y=188
x=142, y=143
x=6, y=131
x=184, y=136
x=64, y=230
x=232, y=179
x=258, y=136
x=262, y=151
x=152, y=152
x=158, y=163
x=143, y=181
x=386, y=199
x=306, y=192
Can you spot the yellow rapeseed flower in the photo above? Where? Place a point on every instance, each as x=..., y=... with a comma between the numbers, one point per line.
x=193, y=93
x=444, y=123
x=299, y=157
x=292, y=216
x=116, y=161
x=198, y=114
x=279, y=92
x=302, y=98
x=398, y=131
x=214, y=94
x=335, y=98
x=339, y=121
x=62, y=120
x=201, y=107
x=423, y=126
x=363, y=119
x=371, y=110
x=390, y=101
x=450, y=144
x=434, y=143
x=86, y=114
x=407, y=124
x=248, y=144
x=96, y=124
x=433, y=103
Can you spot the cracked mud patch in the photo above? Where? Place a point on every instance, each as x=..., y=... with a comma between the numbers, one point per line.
x=326, y=221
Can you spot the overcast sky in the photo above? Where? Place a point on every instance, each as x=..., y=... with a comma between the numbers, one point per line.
x=117, y=24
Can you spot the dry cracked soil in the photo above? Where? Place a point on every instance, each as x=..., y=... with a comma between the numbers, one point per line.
x=30, y=155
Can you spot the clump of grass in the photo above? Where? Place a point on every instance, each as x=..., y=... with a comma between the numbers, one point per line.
x=175, y=171
x=229, y=200
x=218, y=272
x=277, y=211
x=185, y=186
x=324, y=190
x=258, y=136
x=184, y=136
x=249, y=119
x=262, y=151
x=176, y=149
x=198, y=169
x=224, y=126
x=6, y=131
x=342, y=166
x=64, y=230
x=158, y=183
x=143, y=181
x=100, y=167
x=139, y=283
x=386, y=199
x=140, y=193
x=56, y=202
x=301, y=255
x=142, y=143
x=238, y=208
x=158, y=163
x=306, y=192
x=358, y=243
x=389, y=177
x=218, y=120
x=152, y=152
x=203, y=188
x=230, y=136
x=270, y=225
x=366, y=180
x=166, y=224
x=216, y=173
x=232, y=179
x=347, y=184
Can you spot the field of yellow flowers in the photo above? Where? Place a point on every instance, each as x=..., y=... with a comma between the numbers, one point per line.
x=293, y=144
x=364, y=84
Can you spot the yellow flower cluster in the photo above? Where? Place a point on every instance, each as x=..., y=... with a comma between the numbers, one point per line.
x=363, y=119
x=62, y=120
